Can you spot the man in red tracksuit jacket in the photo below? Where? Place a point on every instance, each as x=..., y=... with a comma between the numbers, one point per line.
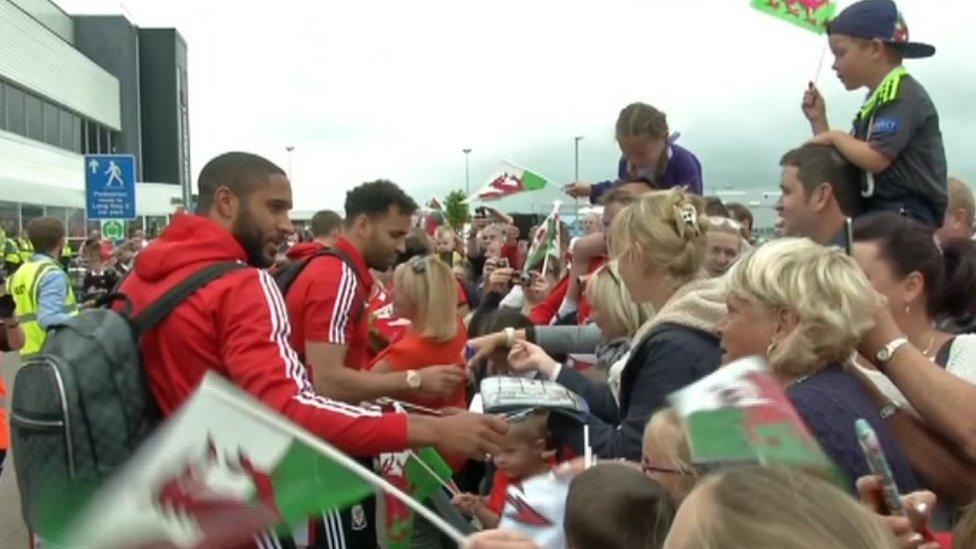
x=238, y=325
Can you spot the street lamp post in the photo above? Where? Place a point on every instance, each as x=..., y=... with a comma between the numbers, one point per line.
x=289, y=148
x=576, y=141
x=467, y=172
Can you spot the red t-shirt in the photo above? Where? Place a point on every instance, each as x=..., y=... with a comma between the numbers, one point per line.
x=414, y=352
x=327, y=302
x=380, y=315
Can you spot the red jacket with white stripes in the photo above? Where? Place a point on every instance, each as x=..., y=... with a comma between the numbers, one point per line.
x=237, y=326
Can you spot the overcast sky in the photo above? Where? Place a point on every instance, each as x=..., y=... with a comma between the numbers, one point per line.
x=396, y=89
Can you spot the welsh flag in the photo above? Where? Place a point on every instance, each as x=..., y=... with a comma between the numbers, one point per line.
x=812, y=15
x=510, y=180
x=223, y=471
x=419, y=474
x=545, y=242
x=741, y=414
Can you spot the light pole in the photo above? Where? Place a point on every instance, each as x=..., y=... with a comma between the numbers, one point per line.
x=289, y=148
x=576, y=141
x=467, y=172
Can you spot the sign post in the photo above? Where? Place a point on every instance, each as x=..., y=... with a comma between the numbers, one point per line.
x=110, y=186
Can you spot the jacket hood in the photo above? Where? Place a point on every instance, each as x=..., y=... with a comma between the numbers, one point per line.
x=304, y=249
x=189, y=239
x=699, y=305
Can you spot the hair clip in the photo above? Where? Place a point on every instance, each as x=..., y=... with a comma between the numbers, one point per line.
x=687, y=216
x=418, y=264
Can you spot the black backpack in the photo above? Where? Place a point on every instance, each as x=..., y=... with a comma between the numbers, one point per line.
x=82, y=405
x=286, y=276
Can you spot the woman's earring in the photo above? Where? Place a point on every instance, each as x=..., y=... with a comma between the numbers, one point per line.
x=771, y=348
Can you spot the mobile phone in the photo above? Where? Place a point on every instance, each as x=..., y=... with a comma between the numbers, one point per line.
x=501, y=262
x=849, y=236
x=878, y=465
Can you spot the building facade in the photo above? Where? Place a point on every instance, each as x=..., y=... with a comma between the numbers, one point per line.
x=71, y=86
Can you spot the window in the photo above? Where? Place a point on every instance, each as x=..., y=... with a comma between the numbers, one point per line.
x=155, y=225
x=9, y=214
x=91, y=139
x=76, y=136
x=76, y=223
x=35, y=117
x=14, y=110
x=65, y=141
x=3, y=110
x=103, y=140
x=52, y=129
x=30, y=211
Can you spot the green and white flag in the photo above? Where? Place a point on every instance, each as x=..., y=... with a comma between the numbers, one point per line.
x=545, y=242
x=221, y=471
x=509, y=180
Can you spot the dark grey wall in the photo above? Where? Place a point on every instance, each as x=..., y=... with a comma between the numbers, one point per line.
x=113, y=43
x=165, y=108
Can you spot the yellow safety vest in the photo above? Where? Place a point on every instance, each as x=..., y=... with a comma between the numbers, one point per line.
x=25, y=287
x=11, y=253
x=26, y=249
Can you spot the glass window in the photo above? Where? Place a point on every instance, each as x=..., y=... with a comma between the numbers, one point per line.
x=14, y=108
x=155, y=225
x=76, y=136
x=30, y=211
x=64, y=129
x=57, y=212
x=52, y=129
x=76, y=223
x=3, y=110
x=103, y=141
x=91, y=139
x=9, y=214
x=35, y=117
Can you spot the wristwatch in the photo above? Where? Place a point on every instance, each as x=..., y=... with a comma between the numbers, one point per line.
x=888, y=410
x=888, y=351
x=414, y=379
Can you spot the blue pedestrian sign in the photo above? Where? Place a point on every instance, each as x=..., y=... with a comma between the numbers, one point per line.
x=110, y=185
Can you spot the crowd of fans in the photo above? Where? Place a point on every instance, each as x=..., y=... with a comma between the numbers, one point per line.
x=864, y=307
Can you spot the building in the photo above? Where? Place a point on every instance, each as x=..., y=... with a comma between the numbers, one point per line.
x=76, y=85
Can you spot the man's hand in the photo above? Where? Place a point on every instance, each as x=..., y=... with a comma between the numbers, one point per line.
x=500, y=280
x=485, y=345
x=441, y=381
x=815, y=109
x=468, y=503
x=578, y=190
x=470, y=435
x=825, y=138
x=499, y=539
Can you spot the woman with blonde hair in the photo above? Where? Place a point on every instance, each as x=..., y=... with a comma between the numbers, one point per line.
x=749, y=507
x=659, y=245
x=804, y=308
x=425, y=293
x=667, y=455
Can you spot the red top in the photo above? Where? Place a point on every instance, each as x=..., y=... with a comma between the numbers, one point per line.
x=379, y=314
x=237, y=327
x=511, y=253
x=499, y=487
x=544, y=313
x=414, y=352
x=327, y=303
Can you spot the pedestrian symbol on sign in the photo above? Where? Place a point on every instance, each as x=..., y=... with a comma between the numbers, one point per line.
x=114, y=173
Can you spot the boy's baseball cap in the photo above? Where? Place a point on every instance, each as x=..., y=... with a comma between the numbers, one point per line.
x=870, y=19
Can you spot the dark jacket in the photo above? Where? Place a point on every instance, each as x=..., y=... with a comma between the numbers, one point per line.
x=671, y=357
x=830, y=402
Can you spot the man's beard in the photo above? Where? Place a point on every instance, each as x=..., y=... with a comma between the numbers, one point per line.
x=250, y=238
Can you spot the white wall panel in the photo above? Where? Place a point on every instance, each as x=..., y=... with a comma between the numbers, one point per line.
x=39, y=60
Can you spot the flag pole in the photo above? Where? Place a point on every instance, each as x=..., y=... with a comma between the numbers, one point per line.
x=257, y=412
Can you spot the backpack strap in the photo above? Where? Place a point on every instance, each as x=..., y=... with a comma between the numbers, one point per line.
x=161, y=308
x=286, y=277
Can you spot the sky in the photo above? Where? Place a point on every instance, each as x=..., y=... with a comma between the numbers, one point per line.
x=396, y=89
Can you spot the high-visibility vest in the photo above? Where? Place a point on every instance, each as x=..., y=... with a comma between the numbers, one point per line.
x=4, y=428
x=25, y=287
x=11, y=253
x=26, y=248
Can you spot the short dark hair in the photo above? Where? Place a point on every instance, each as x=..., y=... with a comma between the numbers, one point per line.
x=818, y=164
x=324, y=222
x=715, y=208
x=240, y=172
x=45, y=233
x=635, y=511
x=909, y=246
x=376, y=198
x=740, y=212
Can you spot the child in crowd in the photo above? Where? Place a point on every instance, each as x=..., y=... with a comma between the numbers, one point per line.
x=896, y=139
x=666, y=455
x=618, y=317
x=525, y=453
x=612, y=506
x=649, y=153
x=446, y=243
